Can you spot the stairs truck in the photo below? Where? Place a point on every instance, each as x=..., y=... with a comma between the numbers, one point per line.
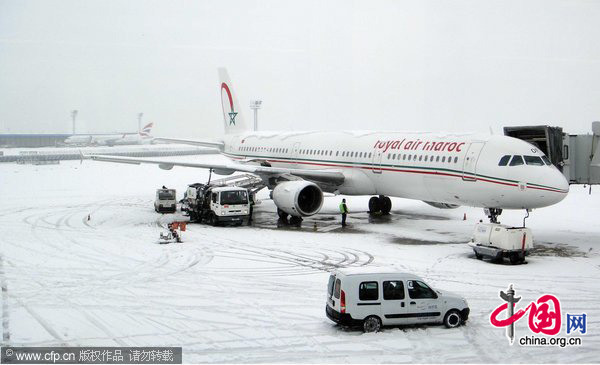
x=207, y=203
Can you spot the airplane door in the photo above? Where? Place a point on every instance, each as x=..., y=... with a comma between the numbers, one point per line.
x=376, y=167
x=470, y=161
x=295, y=152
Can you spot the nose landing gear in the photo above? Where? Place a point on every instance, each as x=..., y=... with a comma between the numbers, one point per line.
x=380, y=205
x=492, y=214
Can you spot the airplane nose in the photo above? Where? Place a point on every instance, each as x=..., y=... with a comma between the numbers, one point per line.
x=560, y=183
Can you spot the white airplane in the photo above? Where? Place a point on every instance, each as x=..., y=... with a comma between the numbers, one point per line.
x=143, y=137
x=444, y=170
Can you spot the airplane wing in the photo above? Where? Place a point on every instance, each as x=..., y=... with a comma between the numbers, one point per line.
x=217, y=145
x=329, y=176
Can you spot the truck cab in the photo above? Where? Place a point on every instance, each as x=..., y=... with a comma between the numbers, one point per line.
x=229, y=205
x=165, y=201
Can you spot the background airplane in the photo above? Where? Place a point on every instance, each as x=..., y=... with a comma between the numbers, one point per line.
x=142, y=137
x=444, y=170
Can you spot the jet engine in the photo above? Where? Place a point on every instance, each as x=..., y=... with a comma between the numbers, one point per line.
x=298, y=198
x=442, y=205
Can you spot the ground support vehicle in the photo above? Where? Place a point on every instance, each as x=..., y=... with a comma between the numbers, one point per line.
x=165, y=201
x=375, y=297
x=498, y=241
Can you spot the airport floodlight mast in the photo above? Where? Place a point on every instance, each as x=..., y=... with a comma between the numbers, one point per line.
x=255, y=105
x=140, y=115
x=74, y=118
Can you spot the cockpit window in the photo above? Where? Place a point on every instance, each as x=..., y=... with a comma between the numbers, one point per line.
x=546, y=160
x=516, y=161
x=504, y=160
x=534, y=160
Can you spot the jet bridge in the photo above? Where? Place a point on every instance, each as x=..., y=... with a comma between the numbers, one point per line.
x=576, y=155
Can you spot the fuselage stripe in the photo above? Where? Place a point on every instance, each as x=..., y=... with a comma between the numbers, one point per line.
x=436, y=171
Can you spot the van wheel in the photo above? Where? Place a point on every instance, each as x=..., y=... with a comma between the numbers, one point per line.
x=372, y=324
x=452, y=319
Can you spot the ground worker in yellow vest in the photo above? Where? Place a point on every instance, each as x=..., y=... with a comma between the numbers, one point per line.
x=344, y=211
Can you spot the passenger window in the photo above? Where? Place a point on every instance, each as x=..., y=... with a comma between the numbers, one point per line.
x=534, y=160
x=420, y=290
x=337, y=153
x=338, y=287
x=369, y=154
x=368, y=290
x=504, y=160
x=437, y=159
x=516, y=161
x=443, y=158
x=393, y=290
x=409, y=156
x=455, y=159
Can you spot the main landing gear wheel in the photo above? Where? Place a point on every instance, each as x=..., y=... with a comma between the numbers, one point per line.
x=282, y=215
x=374, y=205
x=296, y=221
x=380, y=205
x=386, y=206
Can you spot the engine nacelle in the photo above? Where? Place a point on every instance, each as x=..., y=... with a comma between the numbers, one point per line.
x=298, y=198
x=442, y=205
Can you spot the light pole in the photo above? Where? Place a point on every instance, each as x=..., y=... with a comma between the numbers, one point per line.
x=255, y=105
x=74, y=118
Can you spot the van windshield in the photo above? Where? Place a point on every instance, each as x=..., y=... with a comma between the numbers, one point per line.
x=166, y=195
x=234, y=197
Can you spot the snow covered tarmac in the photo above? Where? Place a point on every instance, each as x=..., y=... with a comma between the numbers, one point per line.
x=257, y=294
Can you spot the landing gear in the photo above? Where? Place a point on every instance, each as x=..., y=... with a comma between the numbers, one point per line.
x=282, y=215
x=283, y=219
x=493, y=214
x=295, y=221
x=380, y=205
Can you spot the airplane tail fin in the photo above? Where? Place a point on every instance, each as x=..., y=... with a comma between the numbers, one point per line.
x=145, y=132
x=232, y=114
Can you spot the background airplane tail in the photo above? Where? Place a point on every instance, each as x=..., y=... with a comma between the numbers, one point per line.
x=232, y=114
x=145, y=132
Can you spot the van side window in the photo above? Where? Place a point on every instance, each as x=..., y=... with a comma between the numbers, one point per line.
x=420, y=290
x=330, y=285
x=504, y=160
x=338, y=287
x=368, y=290
x=516, y=160
x=393, y=290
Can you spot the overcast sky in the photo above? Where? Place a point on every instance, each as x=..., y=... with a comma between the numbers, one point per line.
x=396, y=65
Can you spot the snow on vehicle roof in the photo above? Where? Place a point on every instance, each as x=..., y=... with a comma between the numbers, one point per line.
x=367, y=270
x=228, y=188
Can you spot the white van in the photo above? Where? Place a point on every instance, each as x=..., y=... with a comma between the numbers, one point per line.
x=372, y=297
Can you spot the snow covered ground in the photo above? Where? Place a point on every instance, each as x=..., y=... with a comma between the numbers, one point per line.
x=257, y=294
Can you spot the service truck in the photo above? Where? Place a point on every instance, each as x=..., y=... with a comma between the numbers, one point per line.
x=216, y=204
